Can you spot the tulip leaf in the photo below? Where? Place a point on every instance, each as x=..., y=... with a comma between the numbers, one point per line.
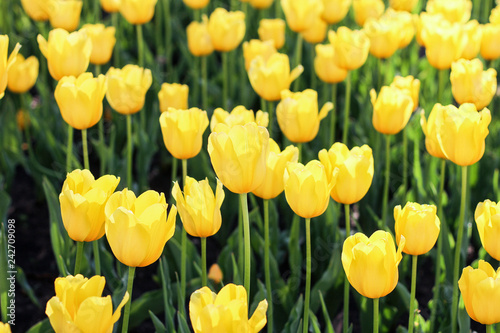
x=463, y=318
x=295, y=256
x=183, y=326
x=326, y=316
x=149, y=301
x=159, y=327
x=168, y=300
x=41, y=327
x=295, y=317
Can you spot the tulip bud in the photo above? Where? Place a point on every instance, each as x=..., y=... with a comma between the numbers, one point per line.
x=404, y=23
x=22, y=74
x=103, y=40
x=199, y=41
x=215, y=274
x=239, y=116
x=457, y=11
x=365, y=9
x=490, y=48
x=403, y=5
x=444, y=43
x=334, y=11
x=226, y=29
x=351, y=47
x=173, y=95
x=138, y=11
x=316, y=33
x=325, y=66
x=273, y=29
x=473, y=35
x=110, y=6
x=261, y=4
x=37, y=10
x=384, y=37
x=255, y=48
x=65, y=14
x=392, y=110
x=301, y=14
x=487, y=216
x=408, y=85
x=196, y=4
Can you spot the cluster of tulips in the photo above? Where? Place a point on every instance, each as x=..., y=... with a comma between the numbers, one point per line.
x=247, y=159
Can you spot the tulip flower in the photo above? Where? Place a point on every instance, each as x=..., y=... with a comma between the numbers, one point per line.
x=409, y=85
x=301, y=14
x=403, y=5
x=37, y=10
x=66, y=53
x=470, y=84
x=490, y=48
x=255, y=48
x=487, y=216
x=495, y=15
x=351, y=47
x=261, y=4
x=103, y=40
x=196, y=4
x=424, y=20
x=444, y=43
x=79, y=307
x=392, y=109
x=365, y=9
x=183, y=131
x=5, y=328
x=269, y=78
x=402, y=21
x=215, y=274
x=138, y=11
x=316, y=33
x=226, y=311
x=480, y=290
x=272, y=29
x=334, y=11
x=226, y=29
x=384, y=37
x=431, y=132
x=473, y=36
x=325, y=66
x=173, y=95
x=199, y=41
x=239, y=116
x=22, y=74
x=110, y=6
x=298, y=116
x=457, y=11
x=65, y=14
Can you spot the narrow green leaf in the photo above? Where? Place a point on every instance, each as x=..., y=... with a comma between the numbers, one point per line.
x=159, y=327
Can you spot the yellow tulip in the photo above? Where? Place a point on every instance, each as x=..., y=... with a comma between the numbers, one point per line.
x=458, y=11
x=325, y=66
x=316, y=33
x=215, y=273
x=403, y=5
x=173, y=95
x=269, y=78
x=196, y=4
x=22, y=119
x=334, y=11
x=430, y=130
x=238, y=155
x=82, y=202
x=422, y=20
x=103, y=40
x=355, y=171
x=272, y=29
x=226, y=29
x=391, y=109
x=480, y=290
x=301, y=14
x=276, y=162
x=5, y=328
x=371, y=264
x=495, y=15
x=473, y=36
x=409, y=85
x=66, y=53
x=365, y=9
x=65, y=14
x=384, y=37
x=110, y=6
x=298, y=116
x=199, y=41
x=127, y=88
x=487, y=216
x=36, y=9
x=461, y=132
x=402, y=21
x=138, y=228
x=226, y=311
x=444, y=43
x=419, y=225
x=138, y=11
x=183, y=131
x=80, y=99
x=261, y=4
x=351, y=47
x=490, y=48
x=22, y=74
x=239, y=116
x=307, y=188
x=199, y=208
x=257, y=47
x=470, y=84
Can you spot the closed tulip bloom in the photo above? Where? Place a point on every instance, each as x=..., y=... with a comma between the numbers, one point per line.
x=431, y=132
x=110, y=6
x=298, y=116
x=473, y=36
x=403, y=5
x=183, y=131
x=422, y=20
x=80, y=99
x=495, y=15
x=138, y=228
x=419, y=225
x=404, y=23
x=257, y=47
x=239, y=116
x=409, y=85
x=5, y=328
x=66, y=53
x=470, y=84
x=37, y=10
x=458, y=11
x=261, y=4
x=355, y=171
x=199, y=208
x=138, y=11
x=277, y=160
x=272, y=29
x=65, y=14
x=487, y=216
x=334, y=11
x=371, y=264
x=269, y=78
x=461, y=132
x=22, y=74
x=307, y=188
x=196, y=4
x=351, y=47
x=444, y=43
x=199, y=41
x=480, y=289
x=490, y=48
x=325, y=66
x=316, y=33
x=127, y=88
x=301, y=14
x=226, y=311
x=103, y=40
x=215, y=273
x=78, y=306
x=173, y=95
x=392, y=109
x=384, y=37
x=226, y=29
x=365, y=9
x=238, y=155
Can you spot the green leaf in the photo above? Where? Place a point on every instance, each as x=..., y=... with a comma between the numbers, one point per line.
x=41, y=327
x=149, y=301
x=25, y=286
x=183, y=326
x=293, y=323
x=159, y=327
x=329, y=326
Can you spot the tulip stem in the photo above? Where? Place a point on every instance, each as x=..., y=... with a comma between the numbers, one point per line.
x=385, y=198
x=203, y=261
x=129, y=151
x=225, y=102
x=85, y=150
x=184, y=241
x=489, y=328
x=101, y=131
x=69, y=150
x=246, y=235
x=140, y=46
x=308, y=275
x=168, y=35
x=116, y=49
x=298, y=58
x=79, y=255
x=299, y=146
x=333, y=116
x=97, y=258
x=405, y=163
x=458, y=247
x=412, y=295
x=267, y=268
x=204, y=75
x=375, y=314
x=347, y=107
x=126, y=312
x=441, y=82
x=270, y=109
x=345, y=326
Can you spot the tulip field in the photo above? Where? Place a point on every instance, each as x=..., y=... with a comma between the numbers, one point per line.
x=220, y=166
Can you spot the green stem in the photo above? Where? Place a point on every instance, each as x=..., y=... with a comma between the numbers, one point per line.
x=267, y=268
x=299, y=147
x=412, y=295
x=486, y=10
x=204, y=75
x=174, y=169
x=375, y=314
x=308, y=275
x=313, y=72
x=347, y=107
x=277, y=9
x=126, y=312
x=168, y=35
x=69, y=150
x=184, y=241
x=79, y=255
x=225, y=83
x=405, y=162
x=298, y=59
x=184, y=172
x=101, y=131
x=489, y=328
x=203, y=261
x=116, y=49
x=85, y=150
x=345, y=326
x=241, y=247
x=333, y=114
x=497, y=328
x=246, y=235
x=458, y=247
x=129, y=151
x=380, y=76
x=140, y=46
x=385, y=198
x=441, y=85
x=270, y=109
x=97, y=258
x=97, y=11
